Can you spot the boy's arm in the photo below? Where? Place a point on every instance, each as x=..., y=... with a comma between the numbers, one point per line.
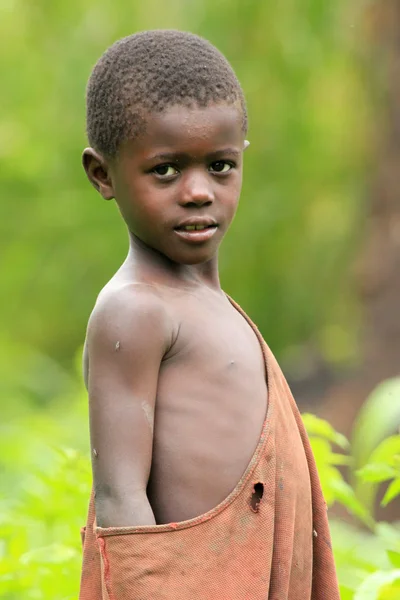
x=128, y=335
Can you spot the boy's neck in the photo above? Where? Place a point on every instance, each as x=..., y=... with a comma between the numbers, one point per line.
x=150, y=266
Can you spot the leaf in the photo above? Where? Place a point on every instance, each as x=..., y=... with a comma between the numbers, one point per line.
x=340, y=459
x=391, y=493
x=345, y=593
x=389, y=533
x=372, y=584
x=387, y=452
x=394, y=558
x=390, y=592
x=321, y=450
x=376, y=472
x=346, y=496
x=376, y=419
x=319, y=427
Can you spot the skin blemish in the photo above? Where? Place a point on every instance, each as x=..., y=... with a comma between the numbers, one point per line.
x=117, y=346
x=149, y=414
x=258, y=491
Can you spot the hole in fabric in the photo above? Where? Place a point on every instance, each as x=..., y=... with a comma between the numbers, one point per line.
x=255, y=500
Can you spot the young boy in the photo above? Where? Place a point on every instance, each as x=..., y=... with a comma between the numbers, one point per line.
x=204, y=488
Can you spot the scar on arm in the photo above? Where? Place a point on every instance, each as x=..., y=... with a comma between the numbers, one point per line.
x=149, y=414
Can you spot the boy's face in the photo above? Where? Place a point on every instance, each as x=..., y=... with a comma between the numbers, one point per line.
x=178, y=184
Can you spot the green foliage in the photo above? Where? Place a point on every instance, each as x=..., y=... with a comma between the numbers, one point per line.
x=44, y=490
x=367, y=559
x=384, y=465
x=40, y=555
x=382, y=410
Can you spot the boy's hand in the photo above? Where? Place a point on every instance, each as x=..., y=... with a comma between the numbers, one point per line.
x=128, y=334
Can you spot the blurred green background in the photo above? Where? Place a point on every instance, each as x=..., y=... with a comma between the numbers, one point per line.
x=315, y=101
x=285, y=257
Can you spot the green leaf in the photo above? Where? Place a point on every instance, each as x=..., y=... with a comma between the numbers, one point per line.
x=321, y=450
x=376, y=472
x=370, y=587
x=346, y=593
x=376, y=419
x=390, y=592
x=391, y=493
x=319, y=427
x=389, y=533
x=394, y=558
x=340, y=459
x=346, y=496
x=387, y=452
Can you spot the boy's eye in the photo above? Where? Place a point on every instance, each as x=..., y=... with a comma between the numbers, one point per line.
x=165, y=170
x=220, y=166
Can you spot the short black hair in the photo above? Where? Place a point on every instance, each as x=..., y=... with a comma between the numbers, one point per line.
x=147, y=72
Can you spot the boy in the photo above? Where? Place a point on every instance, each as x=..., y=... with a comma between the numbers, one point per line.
x=204, y=488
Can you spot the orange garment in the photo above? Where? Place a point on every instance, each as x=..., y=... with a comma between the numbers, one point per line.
x=268, y=540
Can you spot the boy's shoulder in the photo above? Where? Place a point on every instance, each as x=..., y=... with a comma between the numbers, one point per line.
x=127, y=308
x=130, y=295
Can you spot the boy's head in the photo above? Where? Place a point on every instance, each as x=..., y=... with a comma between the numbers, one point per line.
x=146, y=73
x=173, y=94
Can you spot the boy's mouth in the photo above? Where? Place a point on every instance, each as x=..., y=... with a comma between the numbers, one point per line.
x=196, y=229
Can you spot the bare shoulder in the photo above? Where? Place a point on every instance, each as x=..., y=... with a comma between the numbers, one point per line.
x=128, y=312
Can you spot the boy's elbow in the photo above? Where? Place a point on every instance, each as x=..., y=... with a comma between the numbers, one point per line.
x=122, y=510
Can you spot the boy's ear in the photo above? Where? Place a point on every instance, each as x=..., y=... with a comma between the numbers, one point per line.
x=98, y=173
x=246, y=144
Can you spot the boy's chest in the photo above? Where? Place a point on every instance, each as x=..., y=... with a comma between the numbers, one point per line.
x=213, y=384
x=217, y=346
x=211, y=405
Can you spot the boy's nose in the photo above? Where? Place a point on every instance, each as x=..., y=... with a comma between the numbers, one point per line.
x=197, y=190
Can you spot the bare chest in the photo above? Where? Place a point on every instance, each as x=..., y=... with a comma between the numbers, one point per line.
x=211, y=404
